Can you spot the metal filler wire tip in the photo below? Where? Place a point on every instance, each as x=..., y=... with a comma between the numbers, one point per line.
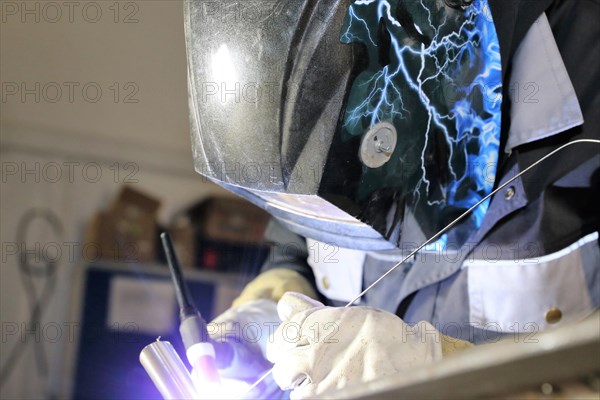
x=445, y=229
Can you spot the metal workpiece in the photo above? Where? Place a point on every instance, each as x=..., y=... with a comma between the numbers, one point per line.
x=167, y=371
x=521, y=363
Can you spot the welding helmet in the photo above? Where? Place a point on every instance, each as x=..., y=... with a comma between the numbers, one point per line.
x=369, y=124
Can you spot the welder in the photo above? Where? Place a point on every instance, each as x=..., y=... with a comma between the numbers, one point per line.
x=390, y=119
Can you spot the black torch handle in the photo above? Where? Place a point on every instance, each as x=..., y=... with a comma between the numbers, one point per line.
x=186, y=305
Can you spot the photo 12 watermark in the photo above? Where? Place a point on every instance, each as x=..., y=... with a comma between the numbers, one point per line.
x=68, y=172
x=53, y=12
x=38, y=253
x=70, y=92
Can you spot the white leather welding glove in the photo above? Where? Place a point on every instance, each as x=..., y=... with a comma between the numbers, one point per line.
x=319, y=348
x=253, y=317
x=250, y=325
x=249, y=322
x=247, y=327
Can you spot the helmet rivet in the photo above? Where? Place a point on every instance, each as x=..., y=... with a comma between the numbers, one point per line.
x=378, y=144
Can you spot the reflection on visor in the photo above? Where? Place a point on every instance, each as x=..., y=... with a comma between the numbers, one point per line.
x=316, y=218
x=309, y=206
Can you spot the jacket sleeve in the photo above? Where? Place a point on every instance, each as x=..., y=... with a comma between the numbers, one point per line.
x=288, y=251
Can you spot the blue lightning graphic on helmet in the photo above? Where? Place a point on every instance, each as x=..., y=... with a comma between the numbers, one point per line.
x=442, y=91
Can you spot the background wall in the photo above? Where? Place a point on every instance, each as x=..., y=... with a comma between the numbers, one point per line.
x=93, y=97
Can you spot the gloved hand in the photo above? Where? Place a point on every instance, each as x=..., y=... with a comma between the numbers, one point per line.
x=319, y=348
x=253, y=317
x=239, y=338
x=272, y=284
x=248, y=324
x=246, y=327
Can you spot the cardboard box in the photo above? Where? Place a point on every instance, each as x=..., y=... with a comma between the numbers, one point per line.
x=183, y=237
x=245, y=259
x=231, y=220
x=126, y=232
